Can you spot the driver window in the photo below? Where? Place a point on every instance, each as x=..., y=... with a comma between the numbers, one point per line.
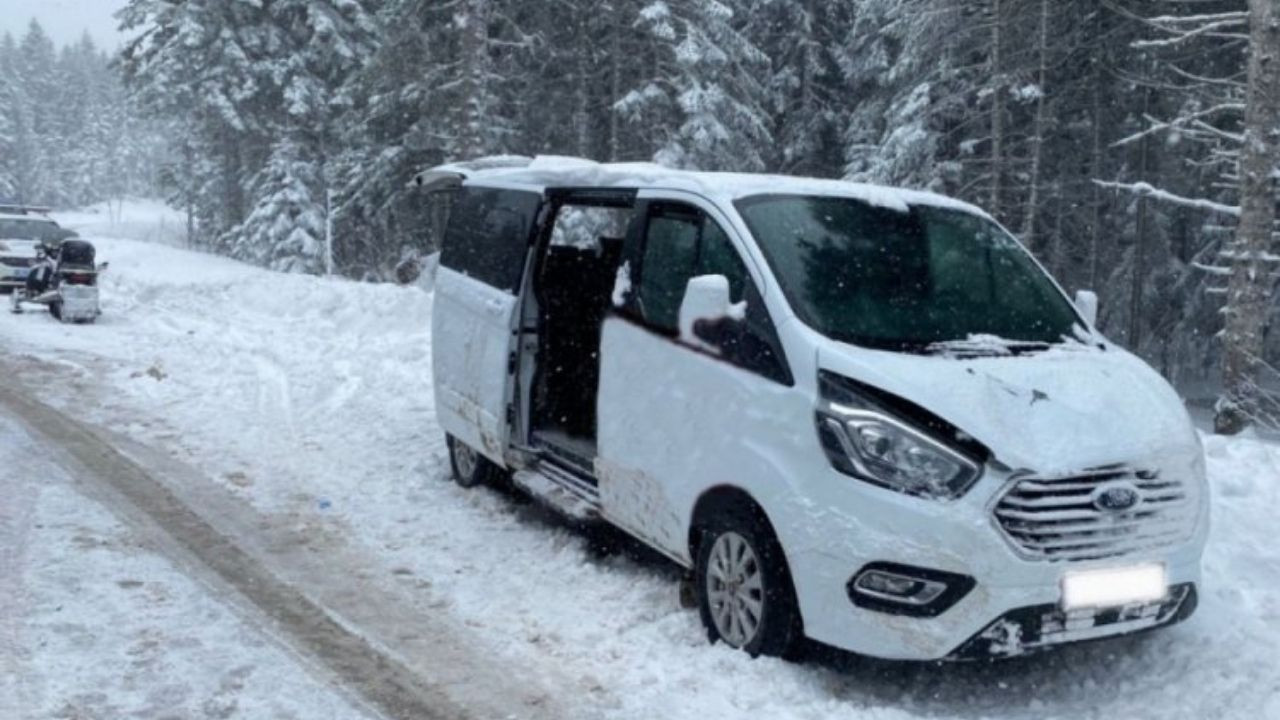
x=683, y=244
x=670, y=254
x=720, y=257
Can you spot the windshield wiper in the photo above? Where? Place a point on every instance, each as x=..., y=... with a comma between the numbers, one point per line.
x=986, y=346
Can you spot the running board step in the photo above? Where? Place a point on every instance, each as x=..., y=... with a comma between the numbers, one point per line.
x=562, y=490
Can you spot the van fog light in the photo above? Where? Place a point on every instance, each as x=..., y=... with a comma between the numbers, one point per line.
x=889, y=586
x=905, y=590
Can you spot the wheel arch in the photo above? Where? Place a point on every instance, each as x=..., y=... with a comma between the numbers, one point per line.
x=718, y=499
x=730, y=498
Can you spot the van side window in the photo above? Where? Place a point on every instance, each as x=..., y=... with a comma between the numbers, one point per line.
x=720, y=257
x=670, y=253
x=751, y=343
x=683, y=244
x=488, y=235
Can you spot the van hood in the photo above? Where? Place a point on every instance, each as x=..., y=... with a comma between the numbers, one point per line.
x=1063, y=410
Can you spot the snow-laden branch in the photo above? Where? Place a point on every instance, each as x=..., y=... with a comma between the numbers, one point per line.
x=1223, y=134
x=1205, y=25
x=1212, y=269
x=1179, y=122
x=1236, y=16
x=1147, y=190
x=1227, y=81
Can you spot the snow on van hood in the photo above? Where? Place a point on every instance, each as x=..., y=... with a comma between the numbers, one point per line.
x=1062, y=410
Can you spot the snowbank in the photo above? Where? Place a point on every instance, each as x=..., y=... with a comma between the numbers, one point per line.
x=135, y=219
x=313, y=397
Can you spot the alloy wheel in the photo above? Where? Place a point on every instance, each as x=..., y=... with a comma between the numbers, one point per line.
x=735, y=589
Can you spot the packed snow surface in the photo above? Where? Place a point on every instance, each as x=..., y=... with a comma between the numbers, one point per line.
x=313, y=397
x=93, y=624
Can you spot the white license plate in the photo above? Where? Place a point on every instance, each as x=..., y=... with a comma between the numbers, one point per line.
x=1114, y=587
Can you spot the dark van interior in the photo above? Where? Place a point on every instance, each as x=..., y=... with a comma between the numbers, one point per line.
x=573, y=285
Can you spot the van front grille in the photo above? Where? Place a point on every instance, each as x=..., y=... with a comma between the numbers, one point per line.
x=1096, y=514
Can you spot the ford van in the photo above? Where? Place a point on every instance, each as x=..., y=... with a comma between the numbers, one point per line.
x=858, y=415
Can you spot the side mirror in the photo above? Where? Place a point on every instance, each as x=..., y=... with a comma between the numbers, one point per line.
x=706, y=297
x=103, y=266
x=1087, y=304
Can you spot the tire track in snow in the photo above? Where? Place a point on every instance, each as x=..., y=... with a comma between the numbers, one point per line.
x=18, y=496
x=380, y=677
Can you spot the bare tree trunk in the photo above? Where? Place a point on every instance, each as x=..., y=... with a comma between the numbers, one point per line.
x=997, y=105
x=1249, y=286
x=1140, y=239
x=472, y=19
x=615, y=81
x=1031, y=216
x=1095, y=230
x=582, y=97
x=1058, y=261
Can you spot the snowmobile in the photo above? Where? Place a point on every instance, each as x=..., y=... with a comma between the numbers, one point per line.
x=65, y=280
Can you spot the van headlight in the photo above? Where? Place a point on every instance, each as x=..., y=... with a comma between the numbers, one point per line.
x=871, y=444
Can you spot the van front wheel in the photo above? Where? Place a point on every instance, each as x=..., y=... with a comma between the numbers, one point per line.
x=470, y=468
x=745, y=595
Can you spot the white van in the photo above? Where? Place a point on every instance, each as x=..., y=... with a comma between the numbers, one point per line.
x=859, y=415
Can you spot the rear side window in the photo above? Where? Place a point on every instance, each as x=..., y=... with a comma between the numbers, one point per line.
x=488, y=235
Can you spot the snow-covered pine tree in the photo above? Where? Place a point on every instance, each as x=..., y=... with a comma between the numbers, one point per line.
x=9, y=117
x=36, y=139
x=285, y=231
x=703, y=88
x=806, y=89
x=899, y=60
x=63, y=124
x=449, y=81
x=249, y=75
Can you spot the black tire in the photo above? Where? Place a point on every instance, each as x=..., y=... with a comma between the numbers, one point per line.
x=55, y=309
x=780, y=632
x=472, y=471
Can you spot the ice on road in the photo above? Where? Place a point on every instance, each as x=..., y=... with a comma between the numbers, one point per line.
x=311, y=400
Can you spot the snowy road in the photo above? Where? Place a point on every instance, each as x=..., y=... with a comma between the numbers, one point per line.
x=294, y=414
x=96, y=621
x=246, y=558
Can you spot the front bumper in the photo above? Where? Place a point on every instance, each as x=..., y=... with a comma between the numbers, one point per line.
x=860, y=527
x=1041, y=627
x=994, y=618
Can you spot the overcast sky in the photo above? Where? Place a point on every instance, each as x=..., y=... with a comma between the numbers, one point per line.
x=64, y=20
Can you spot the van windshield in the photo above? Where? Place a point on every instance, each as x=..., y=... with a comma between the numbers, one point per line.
x=906, y=281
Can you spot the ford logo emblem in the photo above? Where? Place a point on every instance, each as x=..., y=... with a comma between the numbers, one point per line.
x=1116, y=497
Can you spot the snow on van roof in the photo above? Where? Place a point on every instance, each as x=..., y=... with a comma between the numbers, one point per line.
x=28, y=218
x=556, y=171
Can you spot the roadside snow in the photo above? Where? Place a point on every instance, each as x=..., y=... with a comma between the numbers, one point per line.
x=313, y=397
x=94, y=624
x=139, y=219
